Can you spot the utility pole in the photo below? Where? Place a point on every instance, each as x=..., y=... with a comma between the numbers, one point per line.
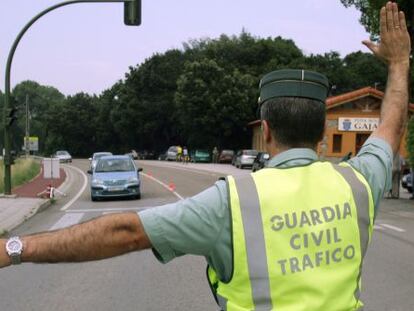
x=27, y=135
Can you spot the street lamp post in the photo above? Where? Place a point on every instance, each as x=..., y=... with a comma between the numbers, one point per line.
x=132, y=17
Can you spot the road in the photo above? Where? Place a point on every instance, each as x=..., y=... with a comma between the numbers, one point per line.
x=138, y=281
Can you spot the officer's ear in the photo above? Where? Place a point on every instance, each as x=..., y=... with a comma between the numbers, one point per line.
x=266, y=131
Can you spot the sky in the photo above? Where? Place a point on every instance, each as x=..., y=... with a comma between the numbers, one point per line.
x=86, y=47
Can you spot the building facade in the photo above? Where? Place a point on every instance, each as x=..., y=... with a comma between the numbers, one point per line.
x=350, y=120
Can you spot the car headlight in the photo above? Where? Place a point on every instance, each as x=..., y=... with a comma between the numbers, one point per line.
x=97, y=182
x=133, y=180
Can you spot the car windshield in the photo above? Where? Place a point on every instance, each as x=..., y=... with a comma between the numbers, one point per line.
x=62, y=153
x=227, y=152
x=114, y=165
x=250, y=152
x=100, y=155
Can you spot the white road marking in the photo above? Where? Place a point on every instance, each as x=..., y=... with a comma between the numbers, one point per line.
x=67, y=220
x=393, y=227
x=164, y=185
x=85, y=183
x=378, y=227
x=107, y=210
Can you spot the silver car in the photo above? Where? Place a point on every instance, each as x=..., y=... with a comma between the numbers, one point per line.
x=96, y=156
x=115, y=176
x=245, y=158
x=63, y=156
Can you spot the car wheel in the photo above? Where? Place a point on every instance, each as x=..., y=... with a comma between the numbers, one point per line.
x=94, y=198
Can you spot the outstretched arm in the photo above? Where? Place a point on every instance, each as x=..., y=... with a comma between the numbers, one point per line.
x=104, y=237
x=394, y=49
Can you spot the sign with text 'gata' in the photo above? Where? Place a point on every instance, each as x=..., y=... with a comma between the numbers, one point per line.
x=358, y=124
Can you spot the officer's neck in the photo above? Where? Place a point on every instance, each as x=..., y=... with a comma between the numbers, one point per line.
x=274, y=148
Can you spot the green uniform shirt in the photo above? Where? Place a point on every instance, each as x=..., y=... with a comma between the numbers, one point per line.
x=200, y=225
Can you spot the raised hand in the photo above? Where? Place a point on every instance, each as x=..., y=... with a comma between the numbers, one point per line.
x=395, y=45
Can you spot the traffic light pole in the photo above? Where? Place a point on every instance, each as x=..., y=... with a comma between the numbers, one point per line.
x=131, y=17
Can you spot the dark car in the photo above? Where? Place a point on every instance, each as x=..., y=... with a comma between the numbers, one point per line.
x=162, y=156
x=261, y=160
x=200, y=156
x=406, y=183
x=226, y=156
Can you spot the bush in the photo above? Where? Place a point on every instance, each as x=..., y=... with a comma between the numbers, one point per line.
x=22, y=171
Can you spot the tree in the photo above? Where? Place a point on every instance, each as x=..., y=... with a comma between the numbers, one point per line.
x=370, y=14
x=214, y=106
x=72, y=125
x=42, y=100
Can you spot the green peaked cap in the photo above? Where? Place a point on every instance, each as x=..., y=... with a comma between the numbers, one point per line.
x=294, y=83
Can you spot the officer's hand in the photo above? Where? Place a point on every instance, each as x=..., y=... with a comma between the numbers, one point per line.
x=4, y=257
x=395, y=45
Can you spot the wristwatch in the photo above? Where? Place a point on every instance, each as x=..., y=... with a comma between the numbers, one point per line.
x=14, y=248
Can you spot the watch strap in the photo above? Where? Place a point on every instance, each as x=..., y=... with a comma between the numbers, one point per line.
x=15, y=259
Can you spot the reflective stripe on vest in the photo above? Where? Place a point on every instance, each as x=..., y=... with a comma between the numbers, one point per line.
x=257, y=282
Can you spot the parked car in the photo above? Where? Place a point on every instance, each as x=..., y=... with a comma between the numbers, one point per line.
x=200, y=156
x=226, y=156
x=260, y=161
x=245, y=158
x=63, y=156
x=162, y=156
x=172, y=153
x=133, y=154
x=146, y=155
x=115, y=176
x=96, y=156
x=406, y=183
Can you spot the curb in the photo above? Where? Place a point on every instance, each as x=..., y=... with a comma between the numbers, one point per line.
x=23, y=218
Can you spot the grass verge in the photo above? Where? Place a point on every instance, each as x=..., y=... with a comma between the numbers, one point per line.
x=22, y=171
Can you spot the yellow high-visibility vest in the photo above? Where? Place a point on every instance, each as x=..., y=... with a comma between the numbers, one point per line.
x=299, y=238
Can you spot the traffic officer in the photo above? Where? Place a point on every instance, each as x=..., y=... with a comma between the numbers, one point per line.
x=289, y=237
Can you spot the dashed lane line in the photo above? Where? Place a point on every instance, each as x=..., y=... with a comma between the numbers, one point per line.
x=67, y=220
x=398, y=229
x=85, y=183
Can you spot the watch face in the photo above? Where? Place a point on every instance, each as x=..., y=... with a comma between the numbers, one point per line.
x=14, y=246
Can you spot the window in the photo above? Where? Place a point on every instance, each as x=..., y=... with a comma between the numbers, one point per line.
x=337, y=143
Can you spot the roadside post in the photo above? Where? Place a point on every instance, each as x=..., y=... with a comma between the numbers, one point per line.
x=132, y=17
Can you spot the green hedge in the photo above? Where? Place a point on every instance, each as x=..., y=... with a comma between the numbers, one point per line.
x=22, y=171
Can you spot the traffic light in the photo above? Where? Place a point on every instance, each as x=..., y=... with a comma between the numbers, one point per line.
x=132, y=13
x=11, y=116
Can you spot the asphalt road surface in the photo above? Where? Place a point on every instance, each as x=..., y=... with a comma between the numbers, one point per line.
x=138, y=281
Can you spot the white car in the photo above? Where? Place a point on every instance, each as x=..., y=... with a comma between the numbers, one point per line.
x=96, y=156
x=63, y=156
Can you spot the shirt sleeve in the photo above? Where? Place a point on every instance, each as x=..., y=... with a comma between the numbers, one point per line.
x=189, y=226
x=374, y=162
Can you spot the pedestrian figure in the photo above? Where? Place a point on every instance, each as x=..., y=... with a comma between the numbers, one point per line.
x=185, y=155
x=215, y=155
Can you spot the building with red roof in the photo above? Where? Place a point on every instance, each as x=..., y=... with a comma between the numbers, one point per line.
x=351, y=118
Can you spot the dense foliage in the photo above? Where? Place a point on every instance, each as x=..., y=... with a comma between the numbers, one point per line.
x=201, y=96
x=370, y=13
